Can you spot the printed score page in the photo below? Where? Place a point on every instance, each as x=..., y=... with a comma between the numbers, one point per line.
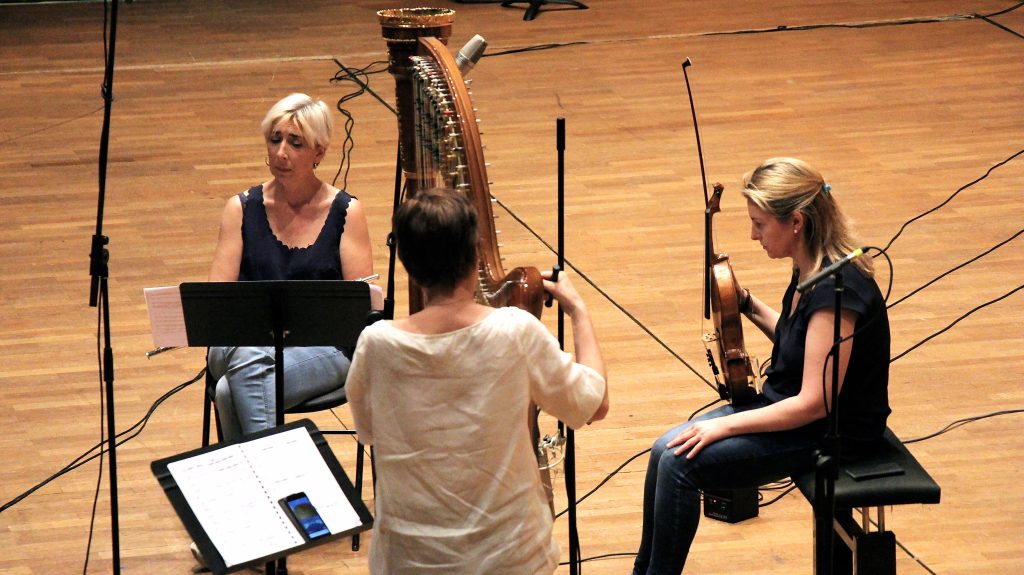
x=234, y=493
x=166, y=318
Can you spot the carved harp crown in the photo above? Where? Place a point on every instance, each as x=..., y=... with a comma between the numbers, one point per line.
x=439, y=143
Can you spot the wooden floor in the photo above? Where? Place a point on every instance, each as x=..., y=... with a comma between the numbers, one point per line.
x=900, y=104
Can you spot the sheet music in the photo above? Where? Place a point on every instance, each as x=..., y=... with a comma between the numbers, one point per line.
x=234, y=493
x=166, y=319
x=376, y=297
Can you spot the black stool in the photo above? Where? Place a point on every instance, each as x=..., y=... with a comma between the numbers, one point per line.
x=872, y=552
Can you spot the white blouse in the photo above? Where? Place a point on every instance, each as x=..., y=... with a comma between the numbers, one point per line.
x=458, y=487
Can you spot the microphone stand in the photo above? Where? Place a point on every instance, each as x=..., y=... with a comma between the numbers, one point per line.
x=99, y=291
x=389, y=298
x=826, y=468
x=570, y=435
x=534, y=6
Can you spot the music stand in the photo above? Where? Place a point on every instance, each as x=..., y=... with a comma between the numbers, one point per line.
x=534, y=6
x=260, y=465
x=296, y=313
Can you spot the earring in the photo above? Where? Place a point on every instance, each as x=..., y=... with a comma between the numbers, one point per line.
x=266, y=160
x=316, y=165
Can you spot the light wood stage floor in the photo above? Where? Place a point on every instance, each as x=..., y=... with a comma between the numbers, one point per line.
x=900, y=104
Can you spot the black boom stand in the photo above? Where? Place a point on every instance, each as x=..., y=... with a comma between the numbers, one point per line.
x=570, y=435
x=826, y=467
x=534, y=6
x=98, y=291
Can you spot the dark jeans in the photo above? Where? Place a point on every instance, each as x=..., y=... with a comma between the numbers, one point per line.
x=673, y=484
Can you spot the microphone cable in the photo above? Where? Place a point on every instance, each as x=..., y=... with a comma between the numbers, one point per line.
x=956, y=321
x=628, y=461
x=950, y=198
x=955, y=268
x=123, y=437
x=962, y=422
x=361, y=78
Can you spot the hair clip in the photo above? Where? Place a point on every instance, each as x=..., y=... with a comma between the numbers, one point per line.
x=826, y=188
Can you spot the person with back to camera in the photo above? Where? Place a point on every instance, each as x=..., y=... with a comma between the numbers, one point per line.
x=793, y=215
x=444, y=395
x=292, y=227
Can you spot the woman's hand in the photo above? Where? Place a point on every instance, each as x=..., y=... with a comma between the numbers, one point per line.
x=563, y=291
x=699, y=435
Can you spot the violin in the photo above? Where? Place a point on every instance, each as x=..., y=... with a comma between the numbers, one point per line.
x=735, y=381
x=721, y=302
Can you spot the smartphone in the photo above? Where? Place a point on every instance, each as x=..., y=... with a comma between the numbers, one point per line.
x=868, y=470
x=300, y=509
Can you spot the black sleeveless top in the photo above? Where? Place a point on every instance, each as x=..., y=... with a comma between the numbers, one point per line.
x=864, y=399
x=264, y=257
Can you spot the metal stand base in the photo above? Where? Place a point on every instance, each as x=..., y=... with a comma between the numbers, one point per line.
x=534, y=6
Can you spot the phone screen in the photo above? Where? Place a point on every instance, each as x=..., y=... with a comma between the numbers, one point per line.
x=305, y=515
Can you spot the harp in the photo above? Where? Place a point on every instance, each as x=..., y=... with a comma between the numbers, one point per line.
x=439, y=144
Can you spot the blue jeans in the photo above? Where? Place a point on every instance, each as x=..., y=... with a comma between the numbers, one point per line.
x=246, y=397
x=673, y=483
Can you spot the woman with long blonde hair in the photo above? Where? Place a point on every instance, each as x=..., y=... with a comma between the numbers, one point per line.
x=793, y=214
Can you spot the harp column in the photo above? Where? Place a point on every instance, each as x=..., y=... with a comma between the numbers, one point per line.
x=402, y=28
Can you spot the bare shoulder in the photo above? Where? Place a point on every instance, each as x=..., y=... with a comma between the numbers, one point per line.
x=355, y=207
x=233, y=209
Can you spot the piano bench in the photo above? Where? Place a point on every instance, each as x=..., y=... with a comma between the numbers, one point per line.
x=890, y=477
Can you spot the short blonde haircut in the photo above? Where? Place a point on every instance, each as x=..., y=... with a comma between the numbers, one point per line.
x=312, y=117
x=782, y=187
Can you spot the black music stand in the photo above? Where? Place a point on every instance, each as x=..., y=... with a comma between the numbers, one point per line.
x=534, y=6
x=308, y=472
x=295, y=313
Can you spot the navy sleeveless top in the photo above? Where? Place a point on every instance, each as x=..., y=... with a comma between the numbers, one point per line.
x=864, y=399
x=264, y=257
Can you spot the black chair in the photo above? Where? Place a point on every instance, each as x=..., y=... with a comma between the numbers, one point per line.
x=903, y=481
x=324, y=402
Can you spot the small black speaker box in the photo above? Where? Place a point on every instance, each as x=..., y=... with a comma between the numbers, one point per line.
x=731, y=505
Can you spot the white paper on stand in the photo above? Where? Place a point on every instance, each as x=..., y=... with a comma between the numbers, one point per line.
x=166, y=318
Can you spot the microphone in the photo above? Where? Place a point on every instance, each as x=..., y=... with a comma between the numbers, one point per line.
x=826, y=272
x=470, y=54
